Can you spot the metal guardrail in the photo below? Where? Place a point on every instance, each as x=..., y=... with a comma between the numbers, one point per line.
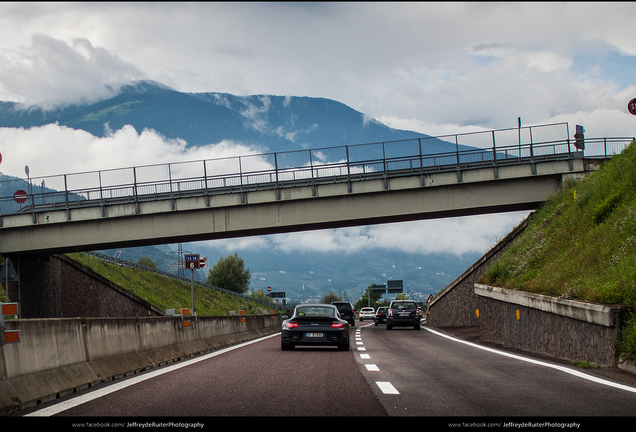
x=267, y=171
x=137, y=266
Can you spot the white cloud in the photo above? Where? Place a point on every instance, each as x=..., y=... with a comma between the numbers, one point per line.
x=50, y=72
x=53, y=150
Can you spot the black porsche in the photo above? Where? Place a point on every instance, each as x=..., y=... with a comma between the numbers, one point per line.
x=315, y=325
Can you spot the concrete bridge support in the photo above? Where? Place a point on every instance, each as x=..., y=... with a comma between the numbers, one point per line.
x=55, y=286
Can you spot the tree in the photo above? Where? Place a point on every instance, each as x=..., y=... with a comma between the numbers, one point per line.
x=327, y=298
x=364, y=302
x=145, y=261
x=230, y=273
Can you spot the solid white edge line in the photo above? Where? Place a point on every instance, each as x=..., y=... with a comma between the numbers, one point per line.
x=71, y=403
x=540, y=363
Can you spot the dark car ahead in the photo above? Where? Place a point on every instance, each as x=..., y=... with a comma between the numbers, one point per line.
x=346, y=311
x=315, y=325
x=380, y=315
x=403, y=313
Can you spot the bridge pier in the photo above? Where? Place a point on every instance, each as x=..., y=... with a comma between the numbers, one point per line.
x=55, y=286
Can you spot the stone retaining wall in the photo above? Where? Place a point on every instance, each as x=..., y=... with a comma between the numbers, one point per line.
x=557, y=327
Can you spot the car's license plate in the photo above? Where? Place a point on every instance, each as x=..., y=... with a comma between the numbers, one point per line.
x=404, y=314
x=314, y=335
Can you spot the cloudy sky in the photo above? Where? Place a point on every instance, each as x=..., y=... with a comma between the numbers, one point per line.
x=436, y=68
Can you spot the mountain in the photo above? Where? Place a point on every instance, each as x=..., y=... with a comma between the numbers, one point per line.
x=270, y=123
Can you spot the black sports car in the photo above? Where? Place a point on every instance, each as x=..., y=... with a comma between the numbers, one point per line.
x=316, y=325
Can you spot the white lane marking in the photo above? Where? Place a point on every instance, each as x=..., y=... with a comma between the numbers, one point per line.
x=365, y=356
x=359, y=343
x=362, y=349
x=71, y=403
x=540, y=363
x=372, y=367
x=387, y=387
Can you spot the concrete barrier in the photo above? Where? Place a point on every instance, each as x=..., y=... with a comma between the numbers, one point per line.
x=60, y=356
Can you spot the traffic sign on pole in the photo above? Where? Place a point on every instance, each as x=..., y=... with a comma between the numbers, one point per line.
x=631, y=106
x=20, y=196
x=192, y=261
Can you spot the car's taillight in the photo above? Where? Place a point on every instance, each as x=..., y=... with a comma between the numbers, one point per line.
x=390, y=313
x=337, y=325
x=291, y=325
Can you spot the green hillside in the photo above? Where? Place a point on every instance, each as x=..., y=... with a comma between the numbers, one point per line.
x=166, y=292
x=581, y=244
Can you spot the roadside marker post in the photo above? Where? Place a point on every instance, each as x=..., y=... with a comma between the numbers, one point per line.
x=9, y=336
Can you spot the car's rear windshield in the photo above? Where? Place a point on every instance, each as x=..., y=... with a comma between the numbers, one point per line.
x=404, y=306
x=343, y=306
x=315, y=311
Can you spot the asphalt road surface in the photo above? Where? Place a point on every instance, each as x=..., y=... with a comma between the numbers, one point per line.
x=401, y=372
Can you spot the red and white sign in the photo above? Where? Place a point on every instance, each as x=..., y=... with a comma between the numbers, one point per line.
x=203, y=262
x=20, y=196
x=631, y=106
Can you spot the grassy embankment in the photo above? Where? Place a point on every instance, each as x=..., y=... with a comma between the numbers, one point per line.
x=169, y=293
x=581, y=244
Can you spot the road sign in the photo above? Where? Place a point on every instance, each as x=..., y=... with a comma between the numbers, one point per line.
x=191, y=261
x=8, y=273
x=631, y=106
x=9, y=308
x=10, y=336
x=394, y=287
x=20, y=196
x=269, y=289
x=203, y=262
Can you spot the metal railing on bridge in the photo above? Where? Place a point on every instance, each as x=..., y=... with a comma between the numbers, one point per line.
x=278, y=170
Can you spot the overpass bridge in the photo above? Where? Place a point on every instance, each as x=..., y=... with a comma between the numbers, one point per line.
x=493, y=171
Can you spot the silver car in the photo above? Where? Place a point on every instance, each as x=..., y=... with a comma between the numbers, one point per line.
x=367, y=313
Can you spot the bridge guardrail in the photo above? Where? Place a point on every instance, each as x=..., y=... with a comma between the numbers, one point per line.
x=305, y=167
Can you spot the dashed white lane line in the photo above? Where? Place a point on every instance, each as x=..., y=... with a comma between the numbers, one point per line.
x=387, y=387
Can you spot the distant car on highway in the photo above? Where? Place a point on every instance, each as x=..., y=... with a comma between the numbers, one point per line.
x=380, y=315
x=346, y=311
x=403, y=313
x=366, y=313
x=315, y=325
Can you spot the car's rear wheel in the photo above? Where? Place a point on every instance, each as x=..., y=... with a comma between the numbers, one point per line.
x=344, y=347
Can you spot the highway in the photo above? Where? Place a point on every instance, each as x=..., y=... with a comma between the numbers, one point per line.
x=402, y=372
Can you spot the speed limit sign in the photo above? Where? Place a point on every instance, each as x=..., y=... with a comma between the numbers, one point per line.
x=631, y=106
